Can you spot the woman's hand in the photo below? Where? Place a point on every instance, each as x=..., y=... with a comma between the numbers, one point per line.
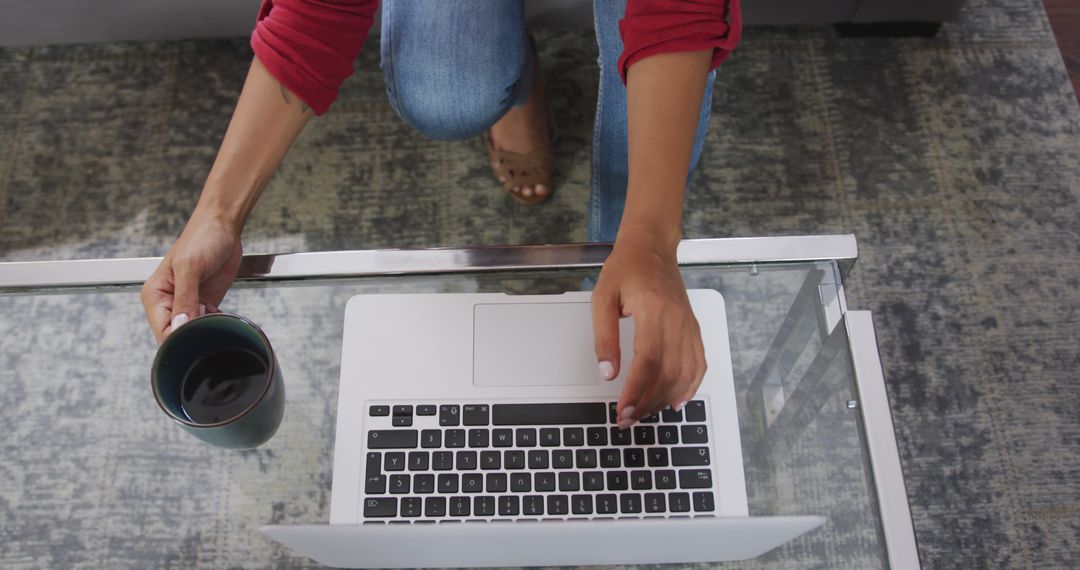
x=194, y=276
x=641, y=279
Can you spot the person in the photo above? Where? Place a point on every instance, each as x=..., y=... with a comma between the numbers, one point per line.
x=458, y=69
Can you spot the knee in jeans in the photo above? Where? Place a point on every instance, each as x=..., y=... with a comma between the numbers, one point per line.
x=449, y=114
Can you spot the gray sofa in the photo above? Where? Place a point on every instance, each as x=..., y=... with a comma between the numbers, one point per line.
x=35, y=22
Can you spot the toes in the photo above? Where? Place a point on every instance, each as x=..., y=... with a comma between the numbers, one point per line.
x=527, y=191
x=541, y=190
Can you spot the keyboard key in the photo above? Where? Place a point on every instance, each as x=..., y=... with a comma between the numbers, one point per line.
x=655, y=503
x=695, y=411
x=472, y=483
x=435, y=507
x=657, y=456
x=454, y=438
x=401, y=421
x=375, y=485
x=496, y=482
x=448, y=483
x=703, y=502
x=514, y=459
x=478, y=438
x=596, y=436
x=630, y=503
x=490, y=460
x=431, y=438
x=380, y=411
x=607, y=504
x=665, y=479
x=427, y=410
x=532, y=505
x=509, y=506
x=592, y=480
x=581, y=504
x=466, y=460
x=620, y=436
x=374, y=463
x=423, y=483
x=449, y=415
x=538, y=459
x=475, y=415
x=586, y=458
x=544, y=481
x=526, y=437
x=380, y=507
x=653, y=419
x=695, y=479
x=403, y=410
x=671, y=416
x=634, y=457
x=484, y=506
x=681, y=456
x=679, y=502
x=502, y=437
x=549, y=437
x=617, y=481
x=394, y=462
x=668, y=435
x=460, y=506
x=442, y=460
x=573, y=436
x=399, y=484
x=569, y=481
x=640, y=480
x=695, y=434
x=548, y=414
x=558, y=504
x=520, y=482
x=418, y=461
x=392, y=439
x=644, y=435
x=610, y=458
x=613, y=412
x=562, y=459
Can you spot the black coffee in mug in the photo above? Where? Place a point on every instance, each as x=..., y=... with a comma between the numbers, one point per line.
x=221, y=385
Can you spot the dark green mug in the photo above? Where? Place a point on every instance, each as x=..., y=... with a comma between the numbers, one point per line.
x=206, y=378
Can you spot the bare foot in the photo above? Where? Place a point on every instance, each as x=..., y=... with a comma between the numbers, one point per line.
x=524, y=129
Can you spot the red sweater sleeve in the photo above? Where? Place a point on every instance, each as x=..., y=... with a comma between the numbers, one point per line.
x=309, y=45
x=652, y=27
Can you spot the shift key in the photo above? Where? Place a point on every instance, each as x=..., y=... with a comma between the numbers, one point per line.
x=392, y=439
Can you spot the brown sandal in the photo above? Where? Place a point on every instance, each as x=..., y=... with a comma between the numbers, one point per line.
x=519, y=170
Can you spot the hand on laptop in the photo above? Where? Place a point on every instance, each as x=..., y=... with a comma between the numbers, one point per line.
x=642, y=279
x=194, y=276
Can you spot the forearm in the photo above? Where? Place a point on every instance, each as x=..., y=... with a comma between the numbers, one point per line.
x=663, y=105
x=266, y=121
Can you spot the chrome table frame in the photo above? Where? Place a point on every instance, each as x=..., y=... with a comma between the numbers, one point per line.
x=888, y=481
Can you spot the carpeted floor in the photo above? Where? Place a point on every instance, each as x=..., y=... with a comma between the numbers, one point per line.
x=955, y=161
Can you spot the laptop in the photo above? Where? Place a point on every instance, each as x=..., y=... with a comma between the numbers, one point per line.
x=475, y=430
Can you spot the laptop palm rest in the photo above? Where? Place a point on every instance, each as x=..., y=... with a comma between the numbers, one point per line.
x=515, y=344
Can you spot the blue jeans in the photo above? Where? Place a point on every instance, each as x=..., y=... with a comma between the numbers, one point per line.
x=455, y=68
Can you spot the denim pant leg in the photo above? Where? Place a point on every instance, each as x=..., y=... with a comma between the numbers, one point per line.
x=453, y=69
x=609, y=152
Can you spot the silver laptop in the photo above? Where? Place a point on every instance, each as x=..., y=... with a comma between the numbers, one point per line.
x=461, y=417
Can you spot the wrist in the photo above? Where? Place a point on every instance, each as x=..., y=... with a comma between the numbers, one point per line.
x=658, y=236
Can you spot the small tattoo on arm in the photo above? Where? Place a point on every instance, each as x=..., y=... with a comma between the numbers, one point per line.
x=288, y=100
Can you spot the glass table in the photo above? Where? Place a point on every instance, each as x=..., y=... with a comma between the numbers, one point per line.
x=94, y=475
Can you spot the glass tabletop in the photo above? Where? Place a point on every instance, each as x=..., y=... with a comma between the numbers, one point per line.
x=95, y=475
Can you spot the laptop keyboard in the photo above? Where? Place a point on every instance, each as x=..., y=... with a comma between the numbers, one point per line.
x=534, y=461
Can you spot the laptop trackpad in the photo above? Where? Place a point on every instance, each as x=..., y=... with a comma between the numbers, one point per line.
x=537, y=344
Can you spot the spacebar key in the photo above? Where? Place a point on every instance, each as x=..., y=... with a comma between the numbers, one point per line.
x=548, y=414
x=392, y=439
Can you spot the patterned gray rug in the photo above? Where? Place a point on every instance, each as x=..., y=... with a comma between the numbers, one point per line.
x=955, y=161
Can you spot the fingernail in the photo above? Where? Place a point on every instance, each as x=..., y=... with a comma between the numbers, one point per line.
x=627, y=413
x=626, y=423
x=202, y=310
x=179, y=320
x=680, y=406
x=607, y=370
